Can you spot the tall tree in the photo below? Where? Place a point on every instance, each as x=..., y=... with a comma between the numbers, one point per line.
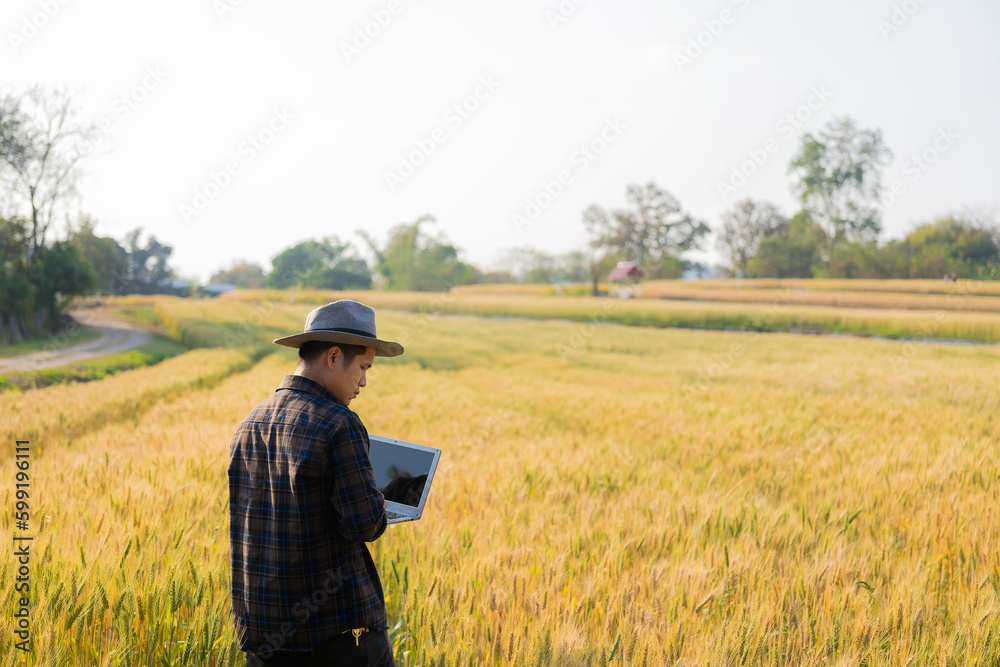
x=948, y=246
x=652, y=231
x=794, y=252
x=319, y=264
x=60, y=273
x=417, y=261
x=17, y=293
x=839, y=179
x=41, y=157
x=600, y=259
x=744, y=227
x=105, y=255
x=41, y=144
x=147, y=262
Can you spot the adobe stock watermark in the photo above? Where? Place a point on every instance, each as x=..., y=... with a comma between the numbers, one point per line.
x=723, y=362
x=551, y=189
x=703, y=40
x=562, y=12
x=302, y=611
x=786, y=127
x=456, y=116
x=251, y=147
x=580, y=333
x=225, y=7
x=918, y=165
x=32, y=25
x=370, y=30
x=901, y=14
x=125, y=105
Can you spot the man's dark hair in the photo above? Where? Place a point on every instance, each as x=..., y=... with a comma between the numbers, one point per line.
x=312, y=350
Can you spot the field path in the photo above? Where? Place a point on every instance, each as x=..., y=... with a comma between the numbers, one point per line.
x=116, y=336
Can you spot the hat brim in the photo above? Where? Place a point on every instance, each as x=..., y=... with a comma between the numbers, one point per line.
x=383, y=348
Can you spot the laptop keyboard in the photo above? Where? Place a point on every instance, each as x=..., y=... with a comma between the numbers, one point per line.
x=393, y=516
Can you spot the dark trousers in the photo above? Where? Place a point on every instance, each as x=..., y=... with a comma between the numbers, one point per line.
x=373, y=650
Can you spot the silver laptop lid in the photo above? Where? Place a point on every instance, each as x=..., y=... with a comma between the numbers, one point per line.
x=403, y=472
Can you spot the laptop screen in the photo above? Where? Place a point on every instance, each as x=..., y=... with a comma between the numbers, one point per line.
x=400, y=472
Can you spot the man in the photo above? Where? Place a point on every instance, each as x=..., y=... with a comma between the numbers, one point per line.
x=303, y=502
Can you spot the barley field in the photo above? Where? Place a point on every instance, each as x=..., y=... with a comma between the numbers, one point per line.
x=905, y=316
x=607, y=495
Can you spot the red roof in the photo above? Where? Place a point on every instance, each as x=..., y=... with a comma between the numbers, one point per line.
x=625, y=270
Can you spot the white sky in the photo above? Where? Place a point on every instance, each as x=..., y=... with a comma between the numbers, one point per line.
x=227, y=69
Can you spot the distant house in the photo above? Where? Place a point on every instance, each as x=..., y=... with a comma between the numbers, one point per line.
x=174, y=286
x=623, y=277
x=215, y=289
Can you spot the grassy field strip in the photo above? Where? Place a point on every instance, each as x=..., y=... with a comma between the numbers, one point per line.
x=58, y=414
x=880, y=300
x=775, y=316
x=652, y=287
x=958, y=288
x=224, y=323
x=134, y=565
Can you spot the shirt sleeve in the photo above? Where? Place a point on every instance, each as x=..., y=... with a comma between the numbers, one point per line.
x=356, y=502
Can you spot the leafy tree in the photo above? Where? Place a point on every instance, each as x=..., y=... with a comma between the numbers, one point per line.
x=531, y=265
x=839, y=179
x=242, y=274
x=147, y=263
x=61, y=273
x=319, y=264
x=17, y=293
x=745, y=227
x=652, y=231
x=852, y=259
x=415, y=261
x=795, y=252
x=600, y=260
x=949, y=246
x=109, y=260
x=41, y=147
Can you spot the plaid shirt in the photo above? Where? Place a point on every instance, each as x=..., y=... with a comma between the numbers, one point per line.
x=302, y=504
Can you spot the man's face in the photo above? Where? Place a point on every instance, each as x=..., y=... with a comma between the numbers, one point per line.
x=346, y=380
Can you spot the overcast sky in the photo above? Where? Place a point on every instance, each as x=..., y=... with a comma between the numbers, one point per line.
x=234, y=128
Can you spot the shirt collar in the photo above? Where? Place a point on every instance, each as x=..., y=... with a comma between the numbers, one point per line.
x=303, y=384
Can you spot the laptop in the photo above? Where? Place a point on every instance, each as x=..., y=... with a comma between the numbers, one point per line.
x=403, y=474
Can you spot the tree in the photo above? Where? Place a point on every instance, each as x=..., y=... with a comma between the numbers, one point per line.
x=600, y=260
x=41, y=150
x=794, y=252
x=839, y=179
x=530, y=265
x=109, y=260
x=652, y=231
x=40, y=147
x=17, y=294
x=147, y=263
x=743, y=229
x=242, y=274
x=948, y=246
x=61, y=273
x=319, y=264
x=413, y=260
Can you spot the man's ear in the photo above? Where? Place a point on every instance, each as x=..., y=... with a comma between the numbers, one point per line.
x=331, y=356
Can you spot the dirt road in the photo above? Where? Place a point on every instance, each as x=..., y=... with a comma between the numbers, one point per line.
x=116, y=336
